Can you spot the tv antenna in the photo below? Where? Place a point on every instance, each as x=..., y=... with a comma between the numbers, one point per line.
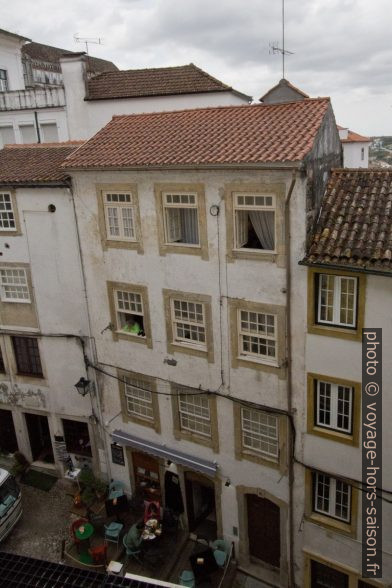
x=88, y=41
x=274, y=45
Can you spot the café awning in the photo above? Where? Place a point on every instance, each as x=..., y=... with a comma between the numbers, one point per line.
x=160, y=450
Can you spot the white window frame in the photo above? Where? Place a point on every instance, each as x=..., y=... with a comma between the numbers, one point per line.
x=128, y=205
x=4, y=81
x=191, y=324
x=333, y=484
x=120, y=310
x=239, y=205
x=138, y=393
x=334, y=390
x=14, y=279
x=7, y=208
x=172, y=227
x=193, y=412
x=248, y=431
x=336, y=305
x=242, y=333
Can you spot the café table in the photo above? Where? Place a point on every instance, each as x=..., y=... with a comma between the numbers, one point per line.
x=203, y=563
x=83, y=533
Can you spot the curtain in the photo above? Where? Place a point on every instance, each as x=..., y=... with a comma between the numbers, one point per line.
x=264, y=224
x=189, y=224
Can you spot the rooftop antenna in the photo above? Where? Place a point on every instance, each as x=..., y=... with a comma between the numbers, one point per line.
x=88, y=40
x=274, y=46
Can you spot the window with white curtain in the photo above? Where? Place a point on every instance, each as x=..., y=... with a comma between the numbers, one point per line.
x=254, y=221
x=120, y=216
x=181, y=219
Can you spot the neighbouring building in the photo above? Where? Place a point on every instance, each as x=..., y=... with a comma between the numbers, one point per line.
x=355, y=148
x=43, y=315
x=190, y=244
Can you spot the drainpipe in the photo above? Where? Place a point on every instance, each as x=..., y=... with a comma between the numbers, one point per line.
x=291, y=439
x=37, y=127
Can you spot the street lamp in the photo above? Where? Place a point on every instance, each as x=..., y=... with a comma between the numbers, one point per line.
x=82, y=386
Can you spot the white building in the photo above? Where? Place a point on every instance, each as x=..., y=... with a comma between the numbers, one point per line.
x=188, y=270
x=355, y=148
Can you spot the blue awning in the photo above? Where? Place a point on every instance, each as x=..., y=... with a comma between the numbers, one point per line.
x=160, y=450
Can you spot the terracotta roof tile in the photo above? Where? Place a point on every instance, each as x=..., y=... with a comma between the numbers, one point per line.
x=35, y=163
x=131, y=83
x=46, y=53
x=227, y=135
x=355, y=138
x=354, y=229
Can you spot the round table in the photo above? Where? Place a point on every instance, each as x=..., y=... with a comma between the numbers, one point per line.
x=84, y=531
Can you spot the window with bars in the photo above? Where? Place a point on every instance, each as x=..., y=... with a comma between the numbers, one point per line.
x=194, y=412
x=260, y=432
x=27, y=356
x=77, y=438
x=130, y=313
x=334, y=406
x=181, y=218
x=138, y=398
x=120, y=216
x=188, y=319
x=7, y=215
x=337, y=300
x=3, y=80
x=332, y=497
x=254, y=221
x=257, y=335
x=13, y=284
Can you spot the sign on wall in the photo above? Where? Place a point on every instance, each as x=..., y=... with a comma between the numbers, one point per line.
x=117, y=454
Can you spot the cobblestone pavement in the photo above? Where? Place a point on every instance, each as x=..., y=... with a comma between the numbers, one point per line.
x=43, y=525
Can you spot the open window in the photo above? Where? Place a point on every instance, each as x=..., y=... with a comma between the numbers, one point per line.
x=181, y=219
x=130, y=313
x=254, y=222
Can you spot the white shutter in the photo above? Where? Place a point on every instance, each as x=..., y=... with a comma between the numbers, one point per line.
x=241, y=221
x=173, y=221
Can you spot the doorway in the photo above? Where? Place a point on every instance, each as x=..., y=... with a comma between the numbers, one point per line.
x=325, y=577
x=201, y=507
x=8, y=441
x=263, y=529
x=146, y=473
x=39, y=437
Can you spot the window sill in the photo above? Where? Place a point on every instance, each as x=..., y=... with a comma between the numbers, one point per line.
x=255, y=254
x=198, y=439
x=331, y=523
x=13, y=301
x=258, y=458
x=333, y=435
x=260, y=361
x=334, y=331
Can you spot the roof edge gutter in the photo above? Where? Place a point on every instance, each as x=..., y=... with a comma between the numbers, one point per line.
x=346, y=268
x=192, y=166
x=15, y=185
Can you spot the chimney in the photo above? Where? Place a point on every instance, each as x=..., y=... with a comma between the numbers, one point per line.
x=74, y=70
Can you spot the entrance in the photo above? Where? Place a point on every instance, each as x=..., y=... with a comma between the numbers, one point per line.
x=39, y=436
x=8, y=442
x=326, y=577
x=200, y=501
x=263, y=529
x=146, y=471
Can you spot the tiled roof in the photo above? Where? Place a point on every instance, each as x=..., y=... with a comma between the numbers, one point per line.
x=9, y=34
x=354, y=229
x=355, y=138
x=225, y=135
x=45, y=53
x=132, y=83
x=35, y=163
x=283, y=83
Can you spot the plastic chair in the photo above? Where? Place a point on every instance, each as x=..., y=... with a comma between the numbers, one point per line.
x=113, y=531
x=221, y=551
x=131, y=552
x=116, y=489
x=99, y=554
x=187, y=578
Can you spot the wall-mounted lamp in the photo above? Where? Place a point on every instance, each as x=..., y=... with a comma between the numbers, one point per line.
x=83, y=386
x=227, y=483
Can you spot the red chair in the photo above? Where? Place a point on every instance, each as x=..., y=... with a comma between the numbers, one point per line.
x=152, y=510
x=99, y=554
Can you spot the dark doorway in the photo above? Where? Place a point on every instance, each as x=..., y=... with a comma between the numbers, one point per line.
x=146, y=472
x=39, y=436
x=264, y=529
x=326, y=577
x=200, y=500
x=8, y=442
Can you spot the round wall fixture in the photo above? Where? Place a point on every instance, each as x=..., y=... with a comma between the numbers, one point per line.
x=51, y=208
x=214, y=210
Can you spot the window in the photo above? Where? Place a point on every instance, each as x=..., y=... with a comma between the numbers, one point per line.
x=254, y=222
x=49, y=133
x=323, y=576
x=138, y=397
x=257, y=335
x=362, y=153
x=129, y=307
x=188, y=322
x=7, y=216
x=260, y=432
x=120, y=216
x=181, y=220
x=14, y=286
x=27, y=356
x=28, y=133
x=332, y=497
x=2, y=366
x=7, y=135
x=3, y=80
x=334, y=406
x=337, y=300
x=194, y=410
x=77, y=438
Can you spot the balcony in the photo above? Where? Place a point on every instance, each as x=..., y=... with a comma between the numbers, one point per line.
x=32, y=98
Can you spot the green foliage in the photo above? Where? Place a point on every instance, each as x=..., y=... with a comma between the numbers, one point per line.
x=20, y=464
x=91, y=485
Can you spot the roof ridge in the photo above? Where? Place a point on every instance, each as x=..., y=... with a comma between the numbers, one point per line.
x=10, y=146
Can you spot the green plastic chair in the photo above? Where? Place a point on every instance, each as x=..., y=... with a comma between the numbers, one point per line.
x=221, y=550
x=187, y=578
x=131, y=552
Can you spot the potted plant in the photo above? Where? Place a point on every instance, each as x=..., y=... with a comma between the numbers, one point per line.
x=93, y=488
x=20, y=465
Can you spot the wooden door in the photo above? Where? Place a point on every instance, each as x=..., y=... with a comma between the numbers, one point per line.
x=326, y=577
x=264, y=529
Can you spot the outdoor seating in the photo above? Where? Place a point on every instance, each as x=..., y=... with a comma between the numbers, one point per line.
x=113, y=532
x=131, y=552
x=116, y=489
x=98, y=554
x=75, y=525
x=187, y=578
x=221, y=551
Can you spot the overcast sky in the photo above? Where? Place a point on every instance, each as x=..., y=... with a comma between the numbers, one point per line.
x=341, y=48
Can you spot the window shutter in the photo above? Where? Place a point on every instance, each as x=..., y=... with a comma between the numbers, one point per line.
x=241, y=219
